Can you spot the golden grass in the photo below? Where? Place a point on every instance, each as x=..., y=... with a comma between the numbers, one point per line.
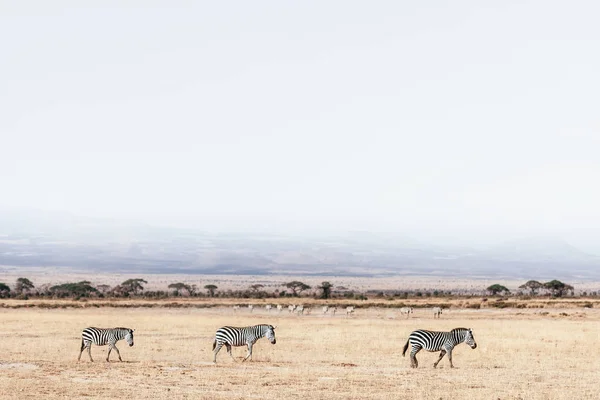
x=520, y=355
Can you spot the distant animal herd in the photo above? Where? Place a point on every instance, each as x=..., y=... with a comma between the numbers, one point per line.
x=326, y=310
x=230, y=336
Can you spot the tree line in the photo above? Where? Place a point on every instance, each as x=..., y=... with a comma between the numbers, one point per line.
x=554, y=288
x=131, y=288
x=134, y=288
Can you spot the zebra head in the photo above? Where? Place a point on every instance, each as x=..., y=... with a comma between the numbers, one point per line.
x=271, y=334
x=129, y=337
x=469, y=339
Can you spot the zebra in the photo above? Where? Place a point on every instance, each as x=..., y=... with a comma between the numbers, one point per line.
x=251, y=307
x=268, y=307
x=291, y=308
x=333, y=310
x=349, y=310
x=279, y=308
x=300, y=309
x=437, y=311
x=437, y=341
x=407, y=311
x=102, y=337
x=325, y=309
x=236, y=308
x=232, y=336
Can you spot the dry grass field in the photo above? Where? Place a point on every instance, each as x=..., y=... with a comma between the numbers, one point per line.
x=521, y=354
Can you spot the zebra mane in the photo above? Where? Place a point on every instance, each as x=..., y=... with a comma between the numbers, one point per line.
x=460, y=329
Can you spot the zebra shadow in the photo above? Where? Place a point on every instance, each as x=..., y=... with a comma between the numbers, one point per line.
x=123, y=362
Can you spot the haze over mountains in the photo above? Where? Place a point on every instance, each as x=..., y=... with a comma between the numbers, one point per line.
x=96, y=245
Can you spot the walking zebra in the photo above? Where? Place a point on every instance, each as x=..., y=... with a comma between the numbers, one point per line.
x=325, y=309
x=268, y=307
x=437, y=311
x=232, y=336
x=406, y=310
x=437, y=341
x=349, y=310
x=279, y=308
x=251, y=307
x=102, y=337
x=291, y=308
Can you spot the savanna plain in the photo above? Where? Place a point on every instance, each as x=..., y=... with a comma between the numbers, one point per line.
x=522, y=353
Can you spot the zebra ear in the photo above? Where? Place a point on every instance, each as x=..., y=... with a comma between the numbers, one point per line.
x=274, y=327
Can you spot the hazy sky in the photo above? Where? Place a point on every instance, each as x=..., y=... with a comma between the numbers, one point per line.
x=462, y=119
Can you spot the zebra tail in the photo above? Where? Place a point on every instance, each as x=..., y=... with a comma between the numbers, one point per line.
x=214, y=344
x=405, y=348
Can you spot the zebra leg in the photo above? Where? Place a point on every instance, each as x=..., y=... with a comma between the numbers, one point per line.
x=118, y=352
x=81, y=350
x=90, y=352
x=413, y=357
x=249, y=353
x=442, y=354
x=228, y=346
x=217, y=348
x=450, y=358
x=109, y=350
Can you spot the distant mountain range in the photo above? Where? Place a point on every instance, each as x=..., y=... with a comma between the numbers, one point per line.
x=95, y=245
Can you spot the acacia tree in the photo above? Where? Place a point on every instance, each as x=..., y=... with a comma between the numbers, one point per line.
x=256, y=287
x=133, y=286
x=23, y=285
x=326, y=290
x=74, y=289
x=4, y=290
x=179, y=288
x=497, y=288
x=558, y=288
x=533, y=286
x=297, y=287
x=103, y=288
x=211, y=289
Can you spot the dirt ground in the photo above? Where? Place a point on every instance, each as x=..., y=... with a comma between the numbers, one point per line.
x=521, y=354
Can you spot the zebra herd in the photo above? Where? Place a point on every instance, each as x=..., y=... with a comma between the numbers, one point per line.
x=298, y=309
x=230, y=336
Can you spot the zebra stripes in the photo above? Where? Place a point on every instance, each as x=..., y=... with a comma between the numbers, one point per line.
x=232, y=336
x=443, y=342
x=102, y=337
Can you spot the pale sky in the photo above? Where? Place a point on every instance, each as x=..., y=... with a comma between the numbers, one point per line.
x=465, y=120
